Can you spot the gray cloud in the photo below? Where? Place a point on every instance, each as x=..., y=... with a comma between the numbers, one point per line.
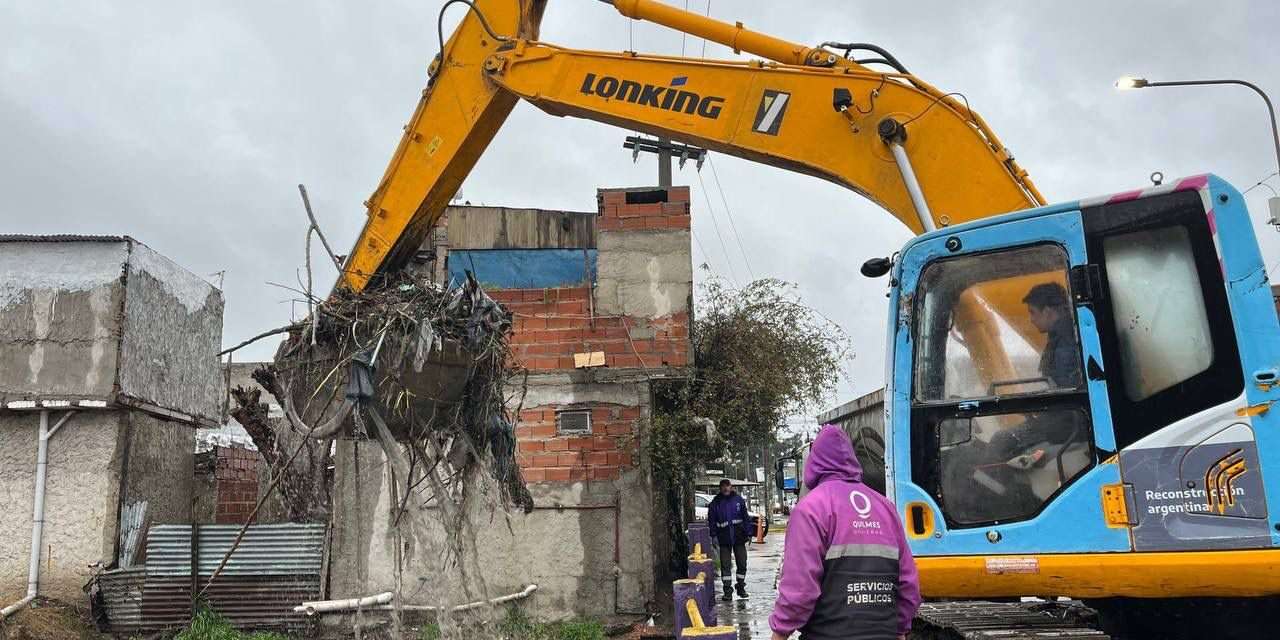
x=188, y=124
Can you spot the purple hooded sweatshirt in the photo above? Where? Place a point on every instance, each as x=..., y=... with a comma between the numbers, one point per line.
x=847, y=572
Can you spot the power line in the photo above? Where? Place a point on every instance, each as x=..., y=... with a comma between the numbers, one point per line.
x=1262, y=182
x=683, y=35
x=732, y=225
x=704, y=40
x=723, y=247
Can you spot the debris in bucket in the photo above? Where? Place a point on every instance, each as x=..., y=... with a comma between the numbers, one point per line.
x=430, y=365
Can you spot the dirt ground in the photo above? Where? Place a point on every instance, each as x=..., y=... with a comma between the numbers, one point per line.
x=49, y=620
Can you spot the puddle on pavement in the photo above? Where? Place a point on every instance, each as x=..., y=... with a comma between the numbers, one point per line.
x=751, y=616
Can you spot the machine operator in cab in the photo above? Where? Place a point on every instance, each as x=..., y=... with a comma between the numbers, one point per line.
x=847, y=572
x=1050, y=312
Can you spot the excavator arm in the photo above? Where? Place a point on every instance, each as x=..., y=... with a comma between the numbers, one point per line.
x=803, y=109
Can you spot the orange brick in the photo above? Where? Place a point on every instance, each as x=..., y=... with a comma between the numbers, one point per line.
x=559, y=444
x=599, y=458
x=543, y=431
x=557, y=474
x=620, y=429
x=545, y=460
x=534, y=475
x=530, y=447
x=648, y=209
x=577, y=474
x=569, y=458
x=604, y=473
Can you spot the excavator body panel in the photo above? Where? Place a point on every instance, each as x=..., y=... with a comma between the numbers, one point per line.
x=1079, y=400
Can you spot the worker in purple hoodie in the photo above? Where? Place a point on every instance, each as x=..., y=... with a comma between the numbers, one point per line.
x=847, y=572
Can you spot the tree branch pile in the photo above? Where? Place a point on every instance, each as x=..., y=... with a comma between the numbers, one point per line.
x=430, y=364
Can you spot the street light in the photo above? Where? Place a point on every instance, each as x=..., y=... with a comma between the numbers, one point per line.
x=1128, y=82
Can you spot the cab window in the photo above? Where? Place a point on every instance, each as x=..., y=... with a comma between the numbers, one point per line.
x=996, y=325
x=1165, y=322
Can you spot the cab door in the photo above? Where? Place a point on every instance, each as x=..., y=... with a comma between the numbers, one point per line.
x=1189, y=325
x=1002, y=429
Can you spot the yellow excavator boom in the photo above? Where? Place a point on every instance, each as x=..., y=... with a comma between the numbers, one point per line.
x=803, y=108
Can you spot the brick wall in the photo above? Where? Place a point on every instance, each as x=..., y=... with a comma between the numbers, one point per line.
x=617, y=215
x=551, y=325
x=236, y=476
x=545, y=455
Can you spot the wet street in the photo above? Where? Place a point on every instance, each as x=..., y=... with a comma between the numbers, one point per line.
x=751, y=616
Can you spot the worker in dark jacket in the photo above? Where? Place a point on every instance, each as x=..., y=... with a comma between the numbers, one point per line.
x=727, y=519
x=1051, y=314
x=847, y=572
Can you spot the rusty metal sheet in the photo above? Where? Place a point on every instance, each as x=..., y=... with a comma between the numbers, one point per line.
x=122, y=597
x=275, y=568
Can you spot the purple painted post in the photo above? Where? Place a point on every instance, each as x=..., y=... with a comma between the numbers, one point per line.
x=698, y=629
x=699, y=533
x=706, y=570
x=685, y=590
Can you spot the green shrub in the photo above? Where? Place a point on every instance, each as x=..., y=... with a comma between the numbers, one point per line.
x=579, y=630
x=209, y=625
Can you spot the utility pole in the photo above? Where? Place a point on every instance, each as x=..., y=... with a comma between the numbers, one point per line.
x=666, y=150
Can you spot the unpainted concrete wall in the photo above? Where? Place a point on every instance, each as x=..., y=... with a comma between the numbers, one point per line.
x=103, y=318
x=61, y=311
x=158, y=466
x=646, y=274
x=92, y=458
x=171, y=337
x=81, y=500
x=566, y=545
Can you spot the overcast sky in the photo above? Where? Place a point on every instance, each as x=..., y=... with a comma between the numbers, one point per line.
x=187, y=125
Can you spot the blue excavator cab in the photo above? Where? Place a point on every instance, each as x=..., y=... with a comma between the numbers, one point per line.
x=1078, y=401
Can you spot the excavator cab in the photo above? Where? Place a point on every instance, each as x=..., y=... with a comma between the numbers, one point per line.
x=1085, y=385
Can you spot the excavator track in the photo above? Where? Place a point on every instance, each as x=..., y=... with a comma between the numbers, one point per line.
x=980, y=620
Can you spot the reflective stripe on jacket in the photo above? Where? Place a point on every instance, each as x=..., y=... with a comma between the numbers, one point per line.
x=727, y=518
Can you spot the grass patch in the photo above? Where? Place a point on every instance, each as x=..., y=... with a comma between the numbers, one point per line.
x=208, y=625
x=517, y=626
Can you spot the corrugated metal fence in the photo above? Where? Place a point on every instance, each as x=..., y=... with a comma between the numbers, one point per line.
x=275, y=568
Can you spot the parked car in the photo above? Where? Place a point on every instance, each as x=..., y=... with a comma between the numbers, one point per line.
x=701, y=501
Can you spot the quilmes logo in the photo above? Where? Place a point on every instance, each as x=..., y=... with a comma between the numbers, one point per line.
x=861, y=503
x=669, y=98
